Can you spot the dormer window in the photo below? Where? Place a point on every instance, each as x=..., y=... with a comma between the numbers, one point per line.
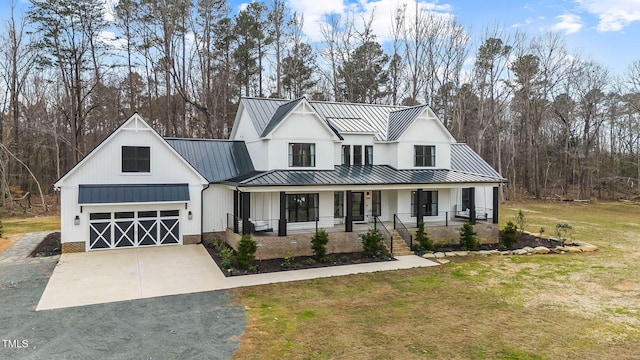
x=346, y=155
x=368, y=155
x=425, y=155
x=302, y=155
x=136, y=159
x=357, y=154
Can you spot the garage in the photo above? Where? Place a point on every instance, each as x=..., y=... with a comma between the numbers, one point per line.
x=111, y=230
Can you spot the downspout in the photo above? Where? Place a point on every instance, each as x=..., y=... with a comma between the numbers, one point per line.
x=202, y=210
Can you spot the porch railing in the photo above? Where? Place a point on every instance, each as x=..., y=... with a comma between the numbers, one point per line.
x=481, y=213
x=399, y=226
x=267, y=227
x=386, y=235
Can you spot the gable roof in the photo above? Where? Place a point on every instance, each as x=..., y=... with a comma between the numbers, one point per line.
x=216, y=160
x=281, y=112
x=463, y=158
x=139, y=122
x=400, y=120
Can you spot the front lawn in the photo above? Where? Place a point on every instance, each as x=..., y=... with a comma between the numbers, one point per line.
x=531, y=307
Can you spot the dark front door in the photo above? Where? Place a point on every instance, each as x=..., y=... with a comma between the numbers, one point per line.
x=357, y=212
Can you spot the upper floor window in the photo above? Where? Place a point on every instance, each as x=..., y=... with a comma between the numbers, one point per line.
x=368, y=155
x=425, y=155
x=346, y=154
x=136, y=159
x=357, y=154
x=302, y=155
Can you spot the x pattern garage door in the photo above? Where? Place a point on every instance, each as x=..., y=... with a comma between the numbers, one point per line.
x=133, y=228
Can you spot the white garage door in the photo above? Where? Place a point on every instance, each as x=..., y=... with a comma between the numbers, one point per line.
x=112, y=230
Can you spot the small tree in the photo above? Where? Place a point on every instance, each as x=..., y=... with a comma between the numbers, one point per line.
x=563, y=231
x=424, y=243
x=246, y=252
x=509, y=235
x=372, y=243
x=319, y=244
x=521, y=221
x=468, y=237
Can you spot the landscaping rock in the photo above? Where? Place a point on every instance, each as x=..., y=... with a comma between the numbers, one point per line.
x=438, y=255
x=520, y=252
x=588, y=247
x=461, y=253
x=429, y=256
x=505, y=252
x=495, y=252
x=528, y=249
x=443, y=261
x=450, y=254
x=484, y=252
x=572, y=249
x=541, y=250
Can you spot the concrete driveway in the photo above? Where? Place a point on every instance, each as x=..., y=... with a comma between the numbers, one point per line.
x=125, y=274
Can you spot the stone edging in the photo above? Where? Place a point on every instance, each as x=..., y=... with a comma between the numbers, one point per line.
x=575, y=247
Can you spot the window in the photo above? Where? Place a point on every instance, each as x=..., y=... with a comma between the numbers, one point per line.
x=302, y=207
x=376, y=208
x=357, y=154
x=136, y=159
x=465, y=198
x=368, y=155
x=346, y=155
x=338, y=204
x=429, y=203
x=302, y=155
x=425, y=155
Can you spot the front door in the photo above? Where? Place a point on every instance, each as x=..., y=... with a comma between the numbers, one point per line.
x=357, y=201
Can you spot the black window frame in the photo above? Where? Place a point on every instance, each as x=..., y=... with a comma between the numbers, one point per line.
x=368, y=155
x=346, y=155
x=357, y=154
x=338, y=204
x=302, y=207
x=135, y=159
x=466, y=197
x=429, y=203
x=302, y=154
x=425, y=155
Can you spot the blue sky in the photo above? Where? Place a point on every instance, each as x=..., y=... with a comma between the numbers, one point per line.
x=606, y=31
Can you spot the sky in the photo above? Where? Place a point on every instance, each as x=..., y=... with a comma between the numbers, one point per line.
x=606, y=31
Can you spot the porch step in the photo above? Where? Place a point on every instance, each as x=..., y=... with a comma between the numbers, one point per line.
x=400, y=248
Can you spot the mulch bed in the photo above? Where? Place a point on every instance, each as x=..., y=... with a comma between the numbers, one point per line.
x=49, y=246
x=523, y=241
x=296, y=263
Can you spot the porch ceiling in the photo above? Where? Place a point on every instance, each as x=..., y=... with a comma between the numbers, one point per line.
x=364, y=175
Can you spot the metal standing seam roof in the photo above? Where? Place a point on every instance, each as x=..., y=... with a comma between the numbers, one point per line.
x=132, y=193
x=400, y=120
x=463, y=158
x=215, y=160
x=281, y=112
x=363, y=175
x=352, y=125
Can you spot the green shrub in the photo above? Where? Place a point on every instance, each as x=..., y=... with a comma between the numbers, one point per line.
x=319, y=244
x=226, y=263
x=310, y=261
x=424, y=243
x=286, y=260
x=372, y=243
x=521, y=220
x=468, y=237
x=563, y=231
x=509, y=235
x=225, y=253
x=246, y=252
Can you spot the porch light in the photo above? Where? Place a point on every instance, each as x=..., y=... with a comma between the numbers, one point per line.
x=190, y=215
x=76, y=220
x=258, y=243
x=368, y=195
x=293, y=241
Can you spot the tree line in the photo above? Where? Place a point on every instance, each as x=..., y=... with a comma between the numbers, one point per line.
x=554, y=123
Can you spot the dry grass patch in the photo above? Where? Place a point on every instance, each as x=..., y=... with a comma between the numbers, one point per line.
x=31, y=224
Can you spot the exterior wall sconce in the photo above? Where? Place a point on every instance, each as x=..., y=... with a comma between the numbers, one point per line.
x=76, y=220
x=368, y=195
x=190, y=215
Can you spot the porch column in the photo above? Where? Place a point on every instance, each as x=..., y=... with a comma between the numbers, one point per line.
x=419, y=210
x=472, y=205
x=348, y=223
x=245, y=198
x=282, y=223
x=235, y=211
x=495, y=204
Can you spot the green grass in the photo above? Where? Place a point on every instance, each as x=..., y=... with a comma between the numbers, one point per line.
x=14, y=226
x=531, y=307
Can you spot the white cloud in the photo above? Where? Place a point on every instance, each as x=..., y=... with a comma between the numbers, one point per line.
x=315, y=12
x=614, y=15
x=569, y=23
x=110, y=38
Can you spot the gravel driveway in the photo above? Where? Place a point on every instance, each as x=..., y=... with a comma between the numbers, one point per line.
x=193, y=326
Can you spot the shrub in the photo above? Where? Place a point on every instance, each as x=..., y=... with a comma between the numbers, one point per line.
x=246, y=252
x=509, y=235
x=310, y=261
x=286, y=260
x=225, y=253
x=468, y=237
x=563, y=231
x=319, y=244
x=372, y=243
x=424, y=243
x=521, y=221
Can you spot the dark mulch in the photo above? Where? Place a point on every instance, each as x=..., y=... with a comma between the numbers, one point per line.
x=296, y=263
x=49, y=246
x=524, y=241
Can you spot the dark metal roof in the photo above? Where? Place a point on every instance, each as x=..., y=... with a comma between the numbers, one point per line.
x=463, y=158
x=132, y=193
x=363, y=175
x=352, y=125
x=400, y=120
x=215, y=160
x=281, y=112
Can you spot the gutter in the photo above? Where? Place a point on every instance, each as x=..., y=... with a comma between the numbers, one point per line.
x=202, y=210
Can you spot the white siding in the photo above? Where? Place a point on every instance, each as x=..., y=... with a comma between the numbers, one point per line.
x=424, y=131
x=218, y=201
